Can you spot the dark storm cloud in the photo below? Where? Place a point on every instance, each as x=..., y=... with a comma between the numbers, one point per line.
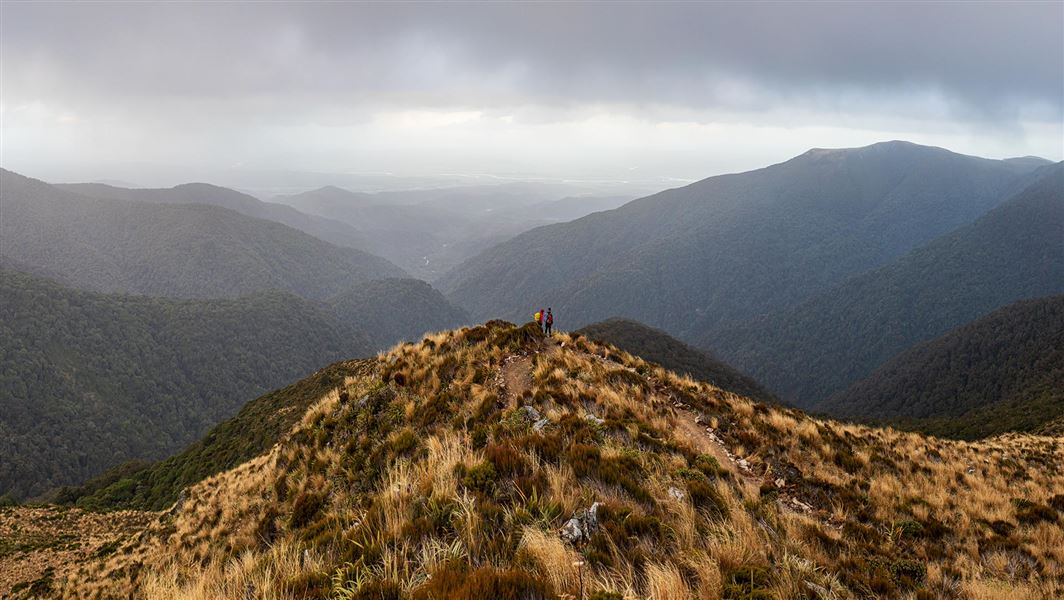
x=984, y=59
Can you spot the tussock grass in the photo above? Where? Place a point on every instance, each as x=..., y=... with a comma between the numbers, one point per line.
x=424, y=484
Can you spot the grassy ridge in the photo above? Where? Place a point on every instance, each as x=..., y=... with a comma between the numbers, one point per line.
x=659, y=347
x=430, y=476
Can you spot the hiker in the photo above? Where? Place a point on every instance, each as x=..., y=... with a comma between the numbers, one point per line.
x=538, y=318
x=548, y=321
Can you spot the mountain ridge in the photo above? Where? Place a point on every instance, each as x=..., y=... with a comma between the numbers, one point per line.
x=682, y=259
x=328, y=230
x=175, y=250
x=656, y=346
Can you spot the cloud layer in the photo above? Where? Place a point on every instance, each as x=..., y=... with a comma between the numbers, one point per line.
x=417, y=87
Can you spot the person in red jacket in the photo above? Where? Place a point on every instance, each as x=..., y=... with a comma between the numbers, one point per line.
x=548, y=321
x=539, y=317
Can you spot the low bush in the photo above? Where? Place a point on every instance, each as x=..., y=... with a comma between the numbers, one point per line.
x=305, y=508
x=747, y=583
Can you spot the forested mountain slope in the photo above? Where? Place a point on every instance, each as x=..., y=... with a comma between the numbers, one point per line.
x=260, y=424
x=807, y=353
x=389, y=310
x=1002, y=372
x=185, y=251
x=731, y=247
x=654, y=345
x=88, y=381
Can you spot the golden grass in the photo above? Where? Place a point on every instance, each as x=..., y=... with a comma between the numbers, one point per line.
x=882, y=502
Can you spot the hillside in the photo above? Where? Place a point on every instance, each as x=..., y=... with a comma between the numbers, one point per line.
x=656, y=346
x=807, y=353
x=89, y=381
x=1002, y=372
x=390, y=310
x=174, y=250
x=329, y=230
x=728, y=248
x=487, y=462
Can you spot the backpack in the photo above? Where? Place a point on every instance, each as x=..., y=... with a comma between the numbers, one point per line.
x=550, y=318
x=537, y=317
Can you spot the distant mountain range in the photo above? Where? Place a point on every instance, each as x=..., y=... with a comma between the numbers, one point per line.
x=1002, y=372
x=428, y=232
x=174, y=250
x=203, y=241
x=757, y=266
x=331, y=231
x=659, y=347
x=732, y=247
x=808, y=352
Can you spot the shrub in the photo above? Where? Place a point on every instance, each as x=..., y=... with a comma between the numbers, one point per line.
x=709, y=465
x=747, y=583
x=705, y=496
x=404, y=441
x=480, y=477
x=909, y=528
x=601, y=595
x=907, y=572
x=306, y=507
x=507, y=461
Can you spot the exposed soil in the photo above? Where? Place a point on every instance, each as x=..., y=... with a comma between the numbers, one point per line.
x=516, y=374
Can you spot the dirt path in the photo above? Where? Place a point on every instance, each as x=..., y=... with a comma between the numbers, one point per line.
x=516, y=378
x=515, y=375
x=706, y=440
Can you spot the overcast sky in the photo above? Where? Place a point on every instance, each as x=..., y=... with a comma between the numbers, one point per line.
x=562, y=90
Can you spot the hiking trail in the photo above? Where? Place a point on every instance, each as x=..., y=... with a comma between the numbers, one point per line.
x=515, y=374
